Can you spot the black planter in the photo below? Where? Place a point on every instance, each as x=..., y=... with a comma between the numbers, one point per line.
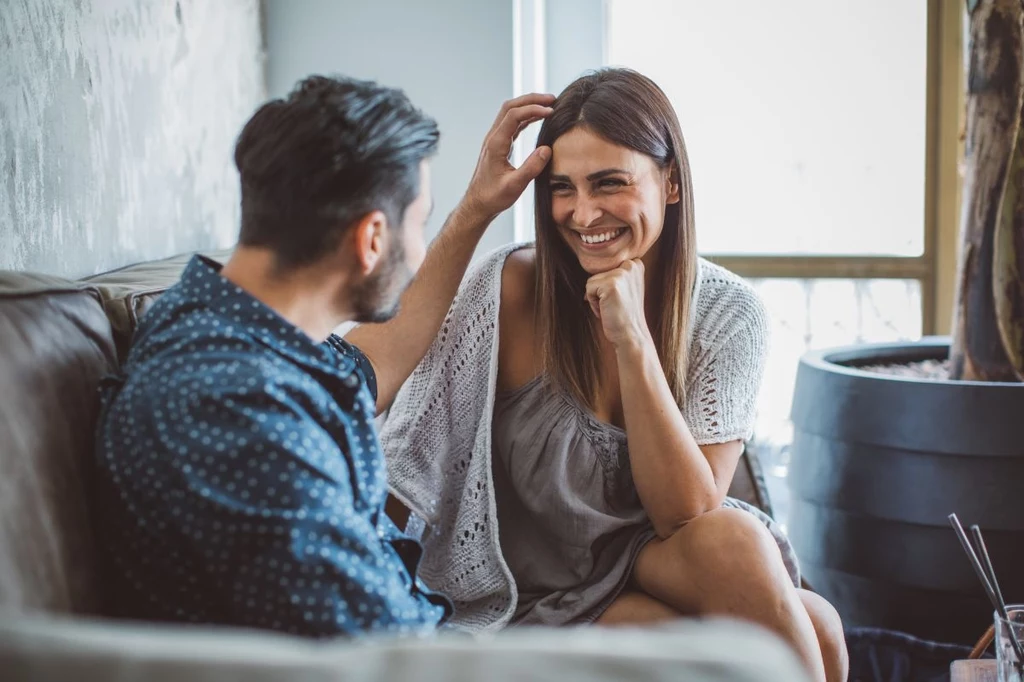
x=878, y=463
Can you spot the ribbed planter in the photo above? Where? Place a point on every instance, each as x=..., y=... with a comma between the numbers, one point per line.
x=878, y=463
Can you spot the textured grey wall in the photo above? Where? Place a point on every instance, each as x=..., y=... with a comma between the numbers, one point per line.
x=117, y=123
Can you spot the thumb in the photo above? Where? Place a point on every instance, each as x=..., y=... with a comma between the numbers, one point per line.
x=533, y=165
x=594, y=301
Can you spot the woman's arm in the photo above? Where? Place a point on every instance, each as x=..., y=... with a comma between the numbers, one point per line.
x=676, y=478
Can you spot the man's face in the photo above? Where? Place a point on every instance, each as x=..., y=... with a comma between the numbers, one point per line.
x=376, y=300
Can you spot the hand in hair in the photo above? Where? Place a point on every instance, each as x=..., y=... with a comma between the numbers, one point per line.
x=617, y=299
x=496, y=183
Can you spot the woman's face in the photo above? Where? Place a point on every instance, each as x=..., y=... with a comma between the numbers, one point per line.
x=608, y=202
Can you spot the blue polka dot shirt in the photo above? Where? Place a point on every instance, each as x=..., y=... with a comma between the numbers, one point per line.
x=241, y=480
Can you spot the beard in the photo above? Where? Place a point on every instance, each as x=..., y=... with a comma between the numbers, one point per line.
x=376, y=299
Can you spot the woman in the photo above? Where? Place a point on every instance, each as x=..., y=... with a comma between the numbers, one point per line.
x=515, y=424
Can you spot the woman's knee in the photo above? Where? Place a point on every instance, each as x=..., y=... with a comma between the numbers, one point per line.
x=717, y=559
x=732, y=540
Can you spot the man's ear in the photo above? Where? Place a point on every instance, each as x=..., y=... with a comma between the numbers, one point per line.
x=368, y=235
x=672, y=185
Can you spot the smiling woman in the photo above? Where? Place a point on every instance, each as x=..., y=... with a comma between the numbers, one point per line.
x=616, y=405
x=622, y=172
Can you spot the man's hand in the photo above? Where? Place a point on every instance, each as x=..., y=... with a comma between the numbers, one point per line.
x=496, y=183
x=616, y=297
x=396, y=347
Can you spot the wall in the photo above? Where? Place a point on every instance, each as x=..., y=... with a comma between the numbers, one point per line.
x=452, y=57
x=117, y=123
x=575, y=40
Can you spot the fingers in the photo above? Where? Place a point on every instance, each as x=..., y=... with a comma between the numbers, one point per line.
x=594, y=292
x=543, y=99
x=532, y=167
x=519, y=130
x=595, y=305
x=632, y=264
x=515, y=120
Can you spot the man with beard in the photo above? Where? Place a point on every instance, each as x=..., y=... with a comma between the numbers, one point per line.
x=240, y=477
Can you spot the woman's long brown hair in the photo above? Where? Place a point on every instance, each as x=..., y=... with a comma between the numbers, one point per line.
x=629, y=110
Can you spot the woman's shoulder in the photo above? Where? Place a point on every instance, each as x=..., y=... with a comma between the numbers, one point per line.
x=519, y=278
x=484, y=282
x=517, y=356
x=725, y=304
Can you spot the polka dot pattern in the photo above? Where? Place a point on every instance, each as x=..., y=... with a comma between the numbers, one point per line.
x=241, y=480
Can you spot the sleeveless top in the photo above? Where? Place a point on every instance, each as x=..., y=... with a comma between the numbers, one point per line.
x=570, y=518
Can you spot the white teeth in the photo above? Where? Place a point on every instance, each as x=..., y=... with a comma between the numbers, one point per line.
x=603, y=237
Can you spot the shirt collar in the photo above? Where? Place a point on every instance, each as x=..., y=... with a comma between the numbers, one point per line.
x=202, y=281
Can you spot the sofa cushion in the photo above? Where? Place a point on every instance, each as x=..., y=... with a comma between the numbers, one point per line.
x=46, y=650
x=56, y=345
x=130, y=291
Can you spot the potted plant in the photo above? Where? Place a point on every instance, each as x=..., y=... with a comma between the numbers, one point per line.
x=889, y=439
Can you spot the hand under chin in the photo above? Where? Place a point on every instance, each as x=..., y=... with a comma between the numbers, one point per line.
x=594, y=264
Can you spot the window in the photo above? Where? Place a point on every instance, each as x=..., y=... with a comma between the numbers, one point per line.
x=804, y=137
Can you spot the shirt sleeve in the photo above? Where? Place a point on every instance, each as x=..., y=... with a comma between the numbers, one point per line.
x=363, y=365
x=721, y=401
x=269, y=506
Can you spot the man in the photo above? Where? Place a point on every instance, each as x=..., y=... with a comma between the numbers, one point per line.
x=241, y=478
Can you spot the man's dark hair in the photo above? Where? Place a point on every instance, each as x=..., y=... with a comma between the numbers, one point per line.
x=315, y=162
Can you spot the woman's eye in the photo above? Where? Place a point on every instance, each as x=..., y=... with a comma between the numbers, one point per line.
x=610, y=182
x=560, y=188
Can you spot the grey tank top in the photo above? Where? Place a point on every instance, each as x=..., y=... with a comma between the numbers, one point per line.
x=570, y=520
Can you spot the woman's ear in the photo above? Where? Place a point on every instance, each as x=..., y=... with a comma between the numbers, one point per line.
x=672, y=185
x=368, y=240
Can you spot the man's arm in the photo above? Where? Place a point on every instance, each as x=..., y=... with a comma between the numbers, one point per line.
x=394, y=348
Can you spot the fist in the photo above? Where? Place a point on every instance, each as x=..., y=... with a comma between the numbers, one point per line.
x=617, y=299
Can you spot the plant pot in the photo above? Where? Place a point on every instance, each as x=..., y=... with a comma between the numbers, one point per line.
x=878, y=464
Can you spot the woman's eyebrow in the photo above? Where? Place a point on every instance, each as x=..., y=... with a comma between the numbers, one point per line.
x=605, y=173
x=593, y=176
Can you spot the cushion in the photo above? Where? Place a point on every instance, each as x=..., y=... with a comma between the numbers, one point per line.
x=130, y=291
x=56, y=346
x=90, y=651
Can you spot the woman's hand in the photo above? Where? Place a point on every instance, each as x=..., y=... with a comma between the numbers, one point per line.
x=617, y=299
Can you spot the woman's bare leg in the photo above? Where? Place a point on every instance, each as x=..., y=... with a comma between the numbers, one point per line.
x=829, y=628
x=637, y=608
x=726, y=562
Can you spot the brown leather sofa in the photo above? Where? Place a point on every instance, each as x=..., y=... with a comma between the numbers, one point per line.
x=57, y=339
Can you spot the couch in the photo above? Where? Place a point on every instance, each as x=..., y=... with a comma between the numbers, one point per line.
x=57, y=339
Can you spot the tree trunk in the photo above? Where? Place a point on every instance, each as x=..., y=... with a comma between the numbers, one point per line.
x=988, y=282
x=1008, y=262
